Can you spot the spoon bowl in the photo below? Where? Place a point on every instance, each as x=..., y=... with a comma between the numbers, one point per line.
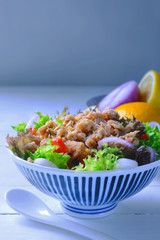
x=26, y=203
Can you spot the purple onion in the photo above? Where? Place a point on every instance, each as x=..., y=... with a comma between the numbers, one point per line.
x=33, y=119
x=152, y=154
x=115, y=140
x=127, y=92
x=153, y=124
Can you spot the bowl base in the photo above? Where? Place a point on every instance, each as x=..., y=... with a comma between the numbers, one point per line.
x=88, y=211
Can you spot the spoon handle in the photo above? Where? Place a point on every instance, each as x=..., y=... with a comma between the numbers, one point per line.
x=71, y=226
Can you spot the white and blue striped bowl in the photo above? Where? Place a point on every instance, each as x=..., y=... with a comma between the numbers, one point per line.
x=88, y=194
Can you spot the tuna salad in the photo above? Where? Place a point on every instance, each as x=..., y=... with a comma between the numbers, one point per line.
x=88, y=141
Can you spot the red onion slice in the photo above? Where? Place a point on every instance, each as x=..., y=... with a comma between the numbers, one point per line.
x=152, y=154
x=115, y=140
x=127, y=92
x=33, y=119
x=153, y=124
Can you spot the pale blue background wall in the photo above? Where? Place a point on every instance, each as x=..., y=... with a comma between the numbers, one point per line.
x=78, y=41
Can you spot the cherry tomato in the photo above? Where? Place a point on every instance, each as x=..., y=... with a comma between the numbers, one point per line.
x=106, y=119
x=83, y=163
x=62, y=147
x=34, y=131
x=143, y=136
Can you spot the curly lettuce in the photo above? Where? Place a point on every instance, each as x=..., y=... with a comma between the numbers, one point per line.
x=20, y=127
x=47, y=152
x=104, y=159
x=42, y=120
x=59, y=121
x=153, y=139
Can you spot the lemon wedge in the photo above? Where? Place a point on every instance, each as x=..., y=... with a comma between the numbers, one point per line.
x=149, y=87
x=142, y=111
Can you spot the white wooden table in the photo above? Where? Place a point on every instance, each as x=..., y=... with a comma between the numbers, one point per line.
x=135, y=218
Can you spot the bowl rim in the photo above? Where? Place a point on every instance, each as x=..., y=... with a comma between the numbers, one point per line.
x=98, y=173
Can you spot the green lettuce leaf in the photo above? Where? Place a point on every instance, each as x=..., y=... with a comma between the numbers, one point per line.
x=104, y=159
x=153, y=139
x=20, y=127
x=59, y=159
x=42, y=120
x=59, y=121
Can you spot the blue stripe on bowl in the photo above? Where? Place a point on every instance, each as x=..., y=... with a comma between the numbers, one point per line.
x=48, y=176
x=97, y=190
x=76, y=188
x=88, y=211
x=90, y=191
x=64, y=187
x=101, y=202
x=70, y=189
x=83, y=190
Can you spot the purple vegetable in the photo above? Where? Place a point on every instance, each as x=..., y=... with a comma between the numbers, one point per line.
x=153, y=124
x=115, y=140
x=33, y=119
x=127, y=92
x=145, y=155
x=152, y=154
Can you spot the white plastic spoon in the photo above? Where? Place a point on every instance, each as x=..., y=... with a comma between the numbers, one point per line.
x=33, y=207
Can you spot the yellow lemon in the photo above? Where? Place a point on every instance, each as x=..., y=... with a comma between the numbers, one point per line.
x=142, y=111
x=149, y=87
